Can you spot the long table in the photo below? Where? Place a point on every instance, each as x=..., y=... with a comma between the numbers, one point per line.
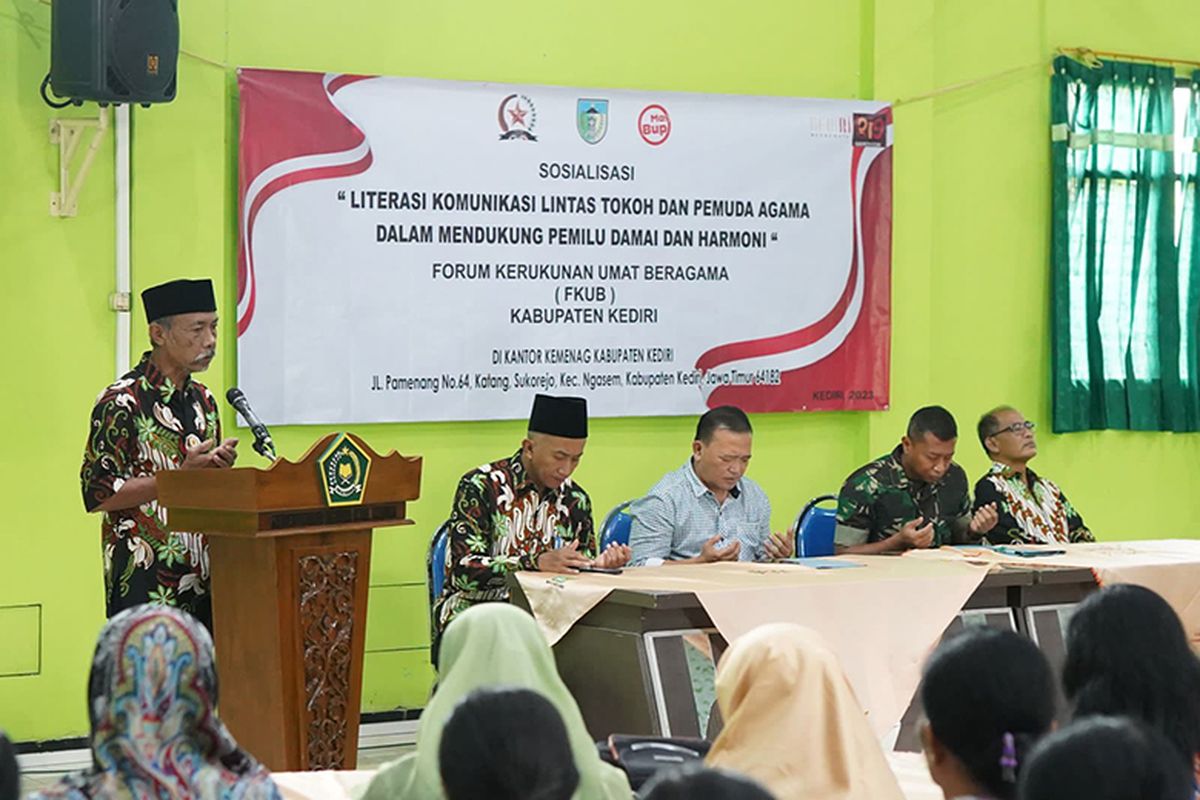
x=641, y=661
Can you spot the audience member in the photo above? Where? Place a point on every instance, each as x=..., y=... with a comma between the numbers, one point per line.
x=915, y=496
x=506, y=744
x=152, y=702
x=792, y=722
x=1127, y=654
x=486, y=646
x=694, y=782
x=988, y=697
x=1104, y=758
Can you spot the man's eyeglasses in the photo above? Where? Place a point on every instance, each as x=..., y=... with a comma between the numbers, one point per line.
x=1016, y=427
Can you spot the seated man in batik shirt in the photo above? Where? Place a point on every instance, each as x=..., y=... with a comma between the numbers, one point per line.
x=522, y=513
x=1032, y=509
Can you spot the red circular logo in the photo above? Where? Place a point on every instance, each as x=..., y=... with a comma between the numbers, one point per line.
x=654, y=124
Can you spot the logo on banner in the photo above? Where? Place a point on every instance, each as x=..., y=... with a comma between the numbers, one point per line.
x=870, y=130
x=343, y=468
x=591, y=119
x=654, y=124
x=517, y=118
x=833, y=126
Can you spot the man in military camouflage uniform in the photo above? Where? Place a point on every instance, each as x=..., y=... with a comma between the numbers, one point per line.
x=915, y=496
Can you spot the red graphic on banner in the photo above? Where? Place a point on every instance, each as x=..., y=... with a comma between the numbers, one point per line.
x=291, y=131
x=855, y=374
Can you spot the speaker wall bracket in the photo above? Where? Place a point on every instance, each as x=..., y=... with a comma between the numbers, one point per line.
x=67, y=134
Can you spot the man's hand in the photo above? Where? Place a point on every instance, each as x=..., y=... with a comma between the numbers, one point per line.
x=615, y=555
x=225, y=454
x=913, y=534
x=710, y=552
x=206, y=456
x=984, y=519
x=565, y=559
x=779, y=545
x=200, y=456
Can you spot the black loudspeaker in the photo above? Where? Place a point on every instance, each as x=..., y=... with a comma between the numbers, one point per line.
x=114, y=51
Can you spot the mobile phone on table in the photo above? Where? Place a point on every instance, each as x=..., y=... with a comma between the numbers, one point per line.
x=602, y=570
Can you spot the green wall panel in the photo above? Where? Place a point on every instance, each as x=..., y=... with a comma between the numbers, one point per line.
x=21, y=632
x=398, y=617
x=396, y=679
x=970, y=273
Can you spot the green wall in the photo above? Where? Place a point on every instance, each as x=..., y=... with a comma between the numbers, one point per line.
x=970, y=298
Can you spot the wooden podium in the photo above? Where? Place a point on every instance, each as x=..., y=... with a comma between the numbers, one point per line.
x=290, y=551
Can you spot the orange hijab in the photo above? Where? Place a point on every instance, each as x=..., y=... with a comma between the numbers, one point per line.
x=792, y=721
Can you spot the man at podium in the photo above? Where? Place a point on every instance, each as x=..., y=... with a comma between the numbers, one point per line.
x=155, y=417
x=523, y=513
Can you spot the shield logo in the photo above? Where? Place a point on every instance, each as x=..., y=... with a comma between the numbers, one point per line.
x=343, y=469
x=591, y=119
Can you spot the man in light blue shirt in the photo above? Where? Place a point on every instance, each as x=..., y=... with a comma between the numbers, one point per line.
x=707, y=510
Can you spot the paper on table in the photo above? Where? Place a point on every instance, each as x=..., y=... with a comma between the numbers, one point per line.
x=818, y=562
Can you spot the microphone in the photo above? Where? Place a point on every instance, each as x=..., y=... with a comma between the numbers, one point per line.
x=262, y=437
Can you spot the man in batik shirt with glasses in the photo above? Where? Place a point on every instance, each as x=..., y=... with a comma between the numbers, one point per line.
x=1033, y=510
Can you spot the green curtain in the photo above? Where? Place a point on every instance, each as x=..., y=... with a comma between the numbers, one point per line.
x=1188, y=246
x=1121, y=326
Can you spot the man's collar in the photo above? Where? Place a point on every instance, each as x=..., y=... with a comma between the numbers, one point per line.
x=698, y=487
x=522, y=479
x=1005, y=471
x=159, y=380
x=516, y=465
x=897, y=458
x=904, y=479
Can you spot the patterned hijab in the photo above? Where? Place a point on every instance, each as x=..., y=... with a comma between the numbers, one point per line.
x=490, y=645
x=152, y=699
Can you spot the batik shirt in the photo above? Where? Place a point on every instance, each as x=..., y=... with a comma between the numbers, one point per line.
x=1033, y=511
x=501, y=522
x=878, y=499
x=141, y=424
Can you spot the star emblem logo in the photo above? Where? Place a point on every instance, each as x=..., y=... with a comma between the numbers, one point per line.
x=517, y=117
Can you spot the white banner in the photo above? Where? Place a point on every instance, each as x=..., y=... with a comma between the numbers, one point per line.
x=427, y=250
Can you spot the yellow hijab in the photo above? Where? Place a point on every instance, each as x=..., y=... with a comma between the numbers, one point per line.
x=493, y=645
x=792, y=721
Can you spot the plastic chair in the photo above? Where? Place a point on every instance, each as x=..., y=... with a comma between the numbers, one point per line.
x=815, y=527
x=436, y=563
x=615, y=528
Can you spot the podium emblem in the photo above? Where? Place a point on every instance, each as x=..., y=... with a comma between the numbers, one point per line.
x=343, y=469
